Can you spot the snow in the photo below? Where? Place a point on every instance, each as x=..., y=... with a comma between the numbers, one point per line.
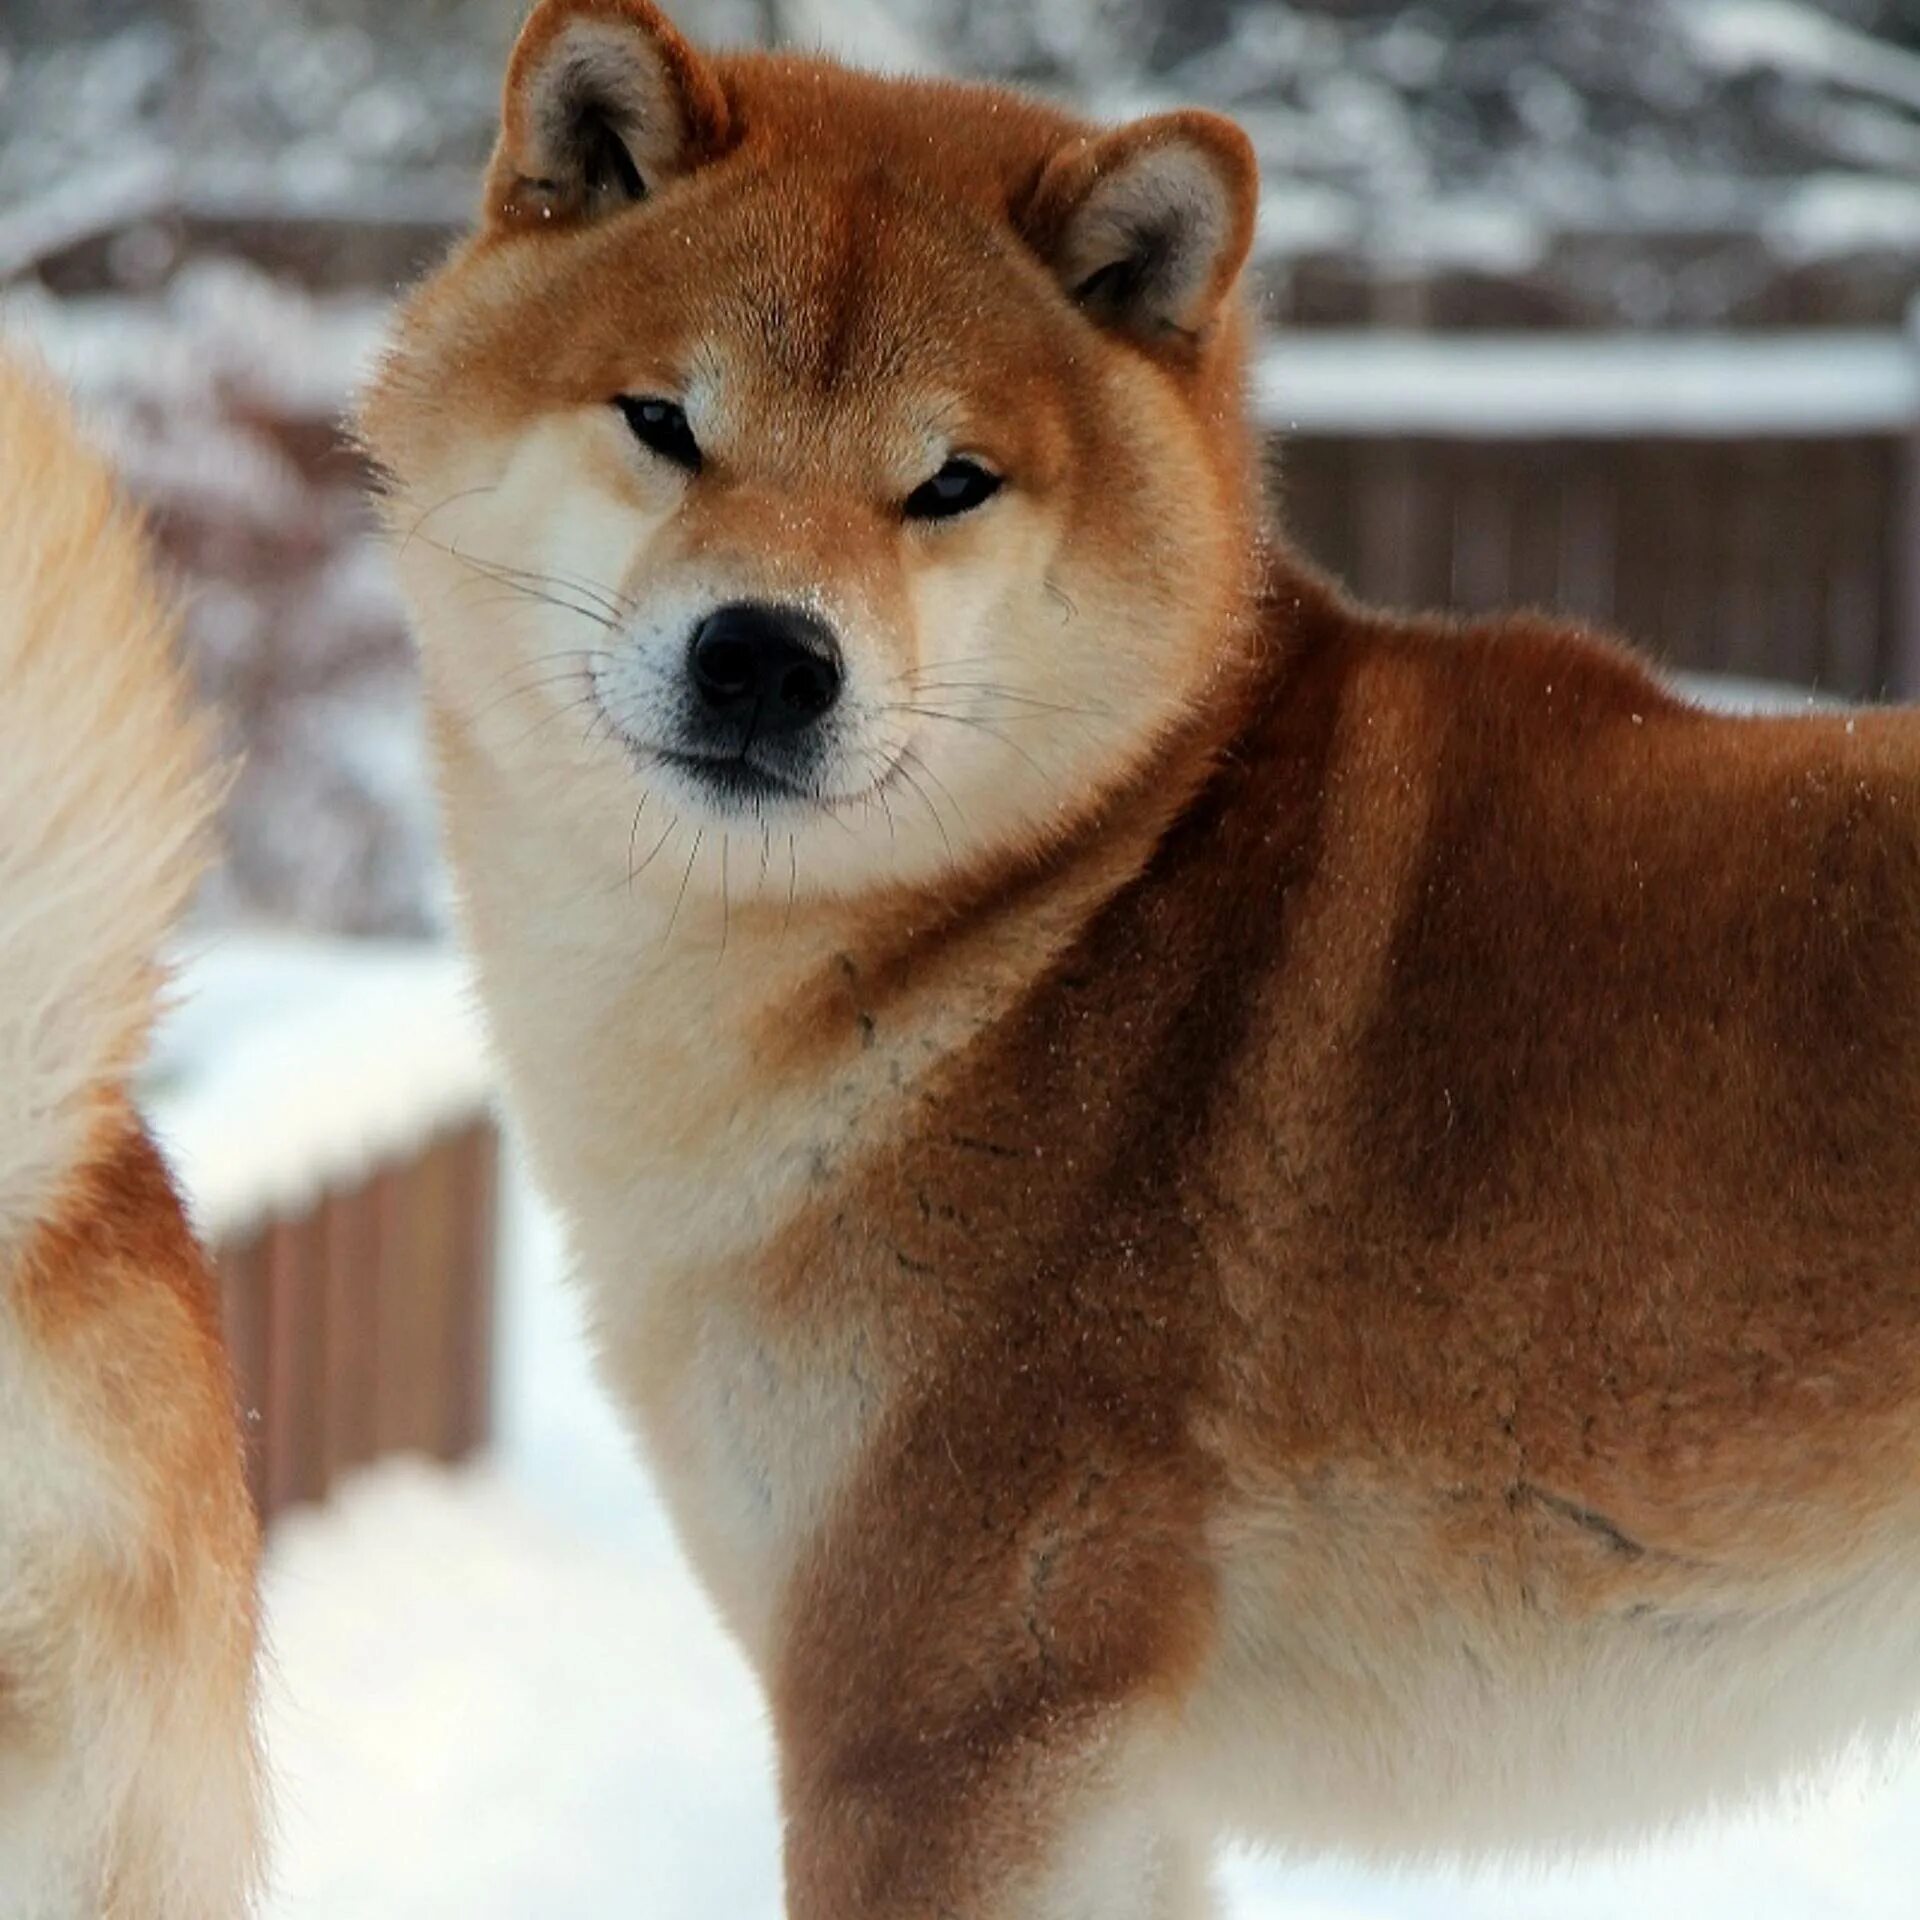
x=136, y=187
x=481, y=1712
x=1734, y=694
x=1827, y=213
x=1306, y=219
x=1477, y=386
x=872, y=32
x=286, y=1065
x=220, y=325
x=1484, y=232
x=1739, y=35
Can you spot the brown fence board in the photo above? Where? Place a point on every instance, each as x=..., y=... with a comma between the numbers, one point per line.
x=290, y=1325
x=1855, y=653
x=1781, y=559
x=349, y=1247
x=242, y=1274
x=362, y=1324
x=470, y=1326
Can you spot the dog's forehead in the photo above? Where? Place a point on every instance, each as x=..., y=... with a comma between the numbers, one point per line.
x=852, y=267
x=827, y=280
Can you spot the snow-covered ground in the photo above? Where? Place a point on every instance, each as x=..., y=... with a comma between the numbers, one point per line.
x=498, y=1694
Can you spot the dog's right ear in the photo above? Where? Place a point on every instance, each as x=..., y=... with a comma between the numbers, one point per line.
x=604, y=104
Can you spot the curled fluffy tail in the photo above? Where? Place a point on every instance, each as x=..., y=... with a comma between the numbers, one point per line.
x=103, y=796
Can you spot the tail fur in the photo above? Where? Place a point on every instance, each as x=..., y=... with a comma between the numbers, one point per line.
x=104, y=794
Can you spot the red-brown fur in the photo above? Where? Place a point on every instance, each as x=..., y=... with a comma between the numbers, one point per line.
x=1348, y=1263
x=117, y=1295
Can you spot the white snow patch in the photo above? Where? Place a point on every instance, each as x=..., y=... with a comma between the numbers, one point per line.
x=478, y=1710
x=1826, y=214
x=1730, y=693
x=1739, y=35
x=1486, y=386
x=1483, y=232
x=141, y=186
x=287, y=1065
x=1299, y=216
x=218, y=320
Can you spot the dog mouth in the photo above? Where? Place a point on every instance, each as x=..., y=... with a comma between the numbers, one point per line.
x=753, y=776
x=734, y=777
x=739, y=784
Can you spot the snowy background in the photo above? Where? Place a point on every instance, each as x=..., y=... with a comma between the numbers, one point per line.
x=496, y=1691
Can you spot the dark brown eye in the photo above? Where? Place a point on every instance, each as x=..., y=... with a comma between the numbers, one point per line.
x=959, y=487
x=661, y=427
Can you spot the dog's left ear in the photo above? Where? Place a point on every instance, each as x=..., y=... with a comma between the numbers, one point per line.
x=1148, y=226
x=604, y=104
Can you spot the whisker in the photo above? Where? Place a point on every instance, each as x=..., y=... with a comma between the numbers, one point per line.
x=521, y=590
x=986, y=690
x=532, y=687
x=465, y=493
x=680, y=897
x=614, y=602
x=925, y=800
x=665, y=836
x=945, y=666
x=968, y=710
x=578, y=661
x=522, y=580
x=547, y=719
x=511, y=591
x=980, y=726
x=919, y=760
x=633, y=835
x=515, y=590
x=561, y=653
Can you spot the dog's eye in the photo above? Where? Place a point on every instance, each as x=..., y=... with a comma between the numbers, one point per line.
x=959, y=487
x=661, y=426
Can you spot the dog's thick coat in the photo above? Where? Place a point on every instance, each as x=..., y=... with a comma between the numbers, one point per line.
x=127, y=1544
x=1242, y=1214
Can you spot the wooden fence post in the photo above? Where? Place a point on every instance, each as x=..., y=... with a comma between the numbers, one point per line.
x=1906, y=539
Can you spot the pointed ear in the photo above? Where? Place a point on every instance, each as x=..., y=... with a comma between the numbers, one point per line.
x=1148, y=226
x=604, y=103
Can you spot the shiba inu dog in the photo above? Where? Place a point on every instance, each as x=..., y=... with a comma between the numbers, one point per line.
x=127, y=1542
x=1221, y=1212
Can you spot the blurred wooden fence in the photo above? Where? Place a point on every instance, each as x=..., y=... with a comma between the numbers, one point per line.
x=1746, y=504
x=364, y=1325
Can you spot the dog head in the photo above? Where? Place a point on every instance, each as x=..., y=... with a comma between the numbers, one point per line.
x=857, y=463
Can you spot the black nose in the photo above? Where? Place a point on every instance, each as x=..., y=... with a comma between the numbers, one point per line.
x=775, y=667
